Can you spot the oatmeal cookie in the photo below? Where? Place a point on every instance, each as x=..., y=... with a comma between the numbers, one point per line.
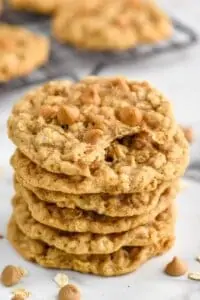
x=61, y=218
x=111, y=25
x=121, y=205
x=88, y=243
x=21, y=51
x=45, y=7
x=80, y=128
x=127, y=180
x=125, y=260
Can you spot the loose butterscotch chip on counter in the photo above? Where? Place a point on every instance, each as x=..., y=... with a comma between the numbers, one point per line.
x=69, y=292
x=11, y=275
x=176, y=267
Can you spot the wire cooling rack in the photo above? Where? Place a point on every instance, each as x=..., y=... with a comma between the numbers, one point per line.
x=65, y=60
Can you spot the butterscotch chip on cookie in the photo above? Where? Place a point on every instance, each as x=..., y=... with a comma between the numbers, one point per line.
x=123, y=261
x=160, y=223
x=110, y=24
x=129, y=133
x=21, y=51
x=45, y=7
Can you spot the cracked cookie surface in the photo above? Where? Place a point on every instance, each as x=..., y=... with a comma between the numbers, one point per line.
x=61, y=218
x=108, y=180
x=98, y=125
x=88, y=243
x=125, y=260
x=121, y=205
x=110, y=24
x=21, y=51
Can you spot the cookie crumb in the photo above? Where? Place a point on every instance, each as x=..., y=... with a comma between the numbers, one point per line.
x=24, y=294
x=176, y=267
x=11, y=275
x=194, y=276
x=69, y=292
x=61, y=279
x=198, y=258
x=189, y=134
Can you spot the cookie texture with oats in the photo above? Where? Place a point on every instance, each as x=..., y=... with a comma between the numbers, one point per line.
x=70, y=128
x=77, y=220
x=45, y=7
x=89, y=243
x=108, y=130
x=123, y=261
x=114, y=178
x=21, y=51
x=111, y=25
x=121, y=205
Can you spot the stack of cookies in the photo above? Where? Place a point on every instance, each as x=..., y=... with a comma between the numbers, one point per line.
x=96, y=175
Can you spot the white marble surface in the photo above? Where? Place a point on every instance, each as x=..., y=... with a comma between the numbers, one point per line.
x=178, y=75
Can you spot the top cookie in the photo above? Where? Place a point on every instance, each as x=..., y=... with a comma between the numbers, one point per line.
x=98, y=123
x=39, y=6
x=21, y=51
x=110, y=24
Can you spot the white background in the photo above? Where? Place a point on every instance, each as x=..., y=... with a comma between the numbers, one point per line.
x=178, y=76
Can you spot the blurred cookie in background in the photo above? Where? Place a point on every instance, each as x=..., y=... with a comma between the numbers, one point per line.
x=110, y=24
x=1, y=6
x=21, y=51
x=45, y=7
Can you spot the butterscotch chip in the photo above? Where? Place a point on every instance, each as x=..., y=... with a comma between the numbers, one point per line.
x=21, y=51
x=69, y=292
x=48, y=111
x=11, y=275
x=120, y=25
x=68, y=115
x=130, y=115
x=176, y=267
x=189, y=134
x=91, y=96
x=93, y=135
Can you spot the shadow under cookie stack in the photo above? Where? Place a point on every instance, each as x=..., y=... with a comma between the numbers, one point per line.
x=97, y=172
